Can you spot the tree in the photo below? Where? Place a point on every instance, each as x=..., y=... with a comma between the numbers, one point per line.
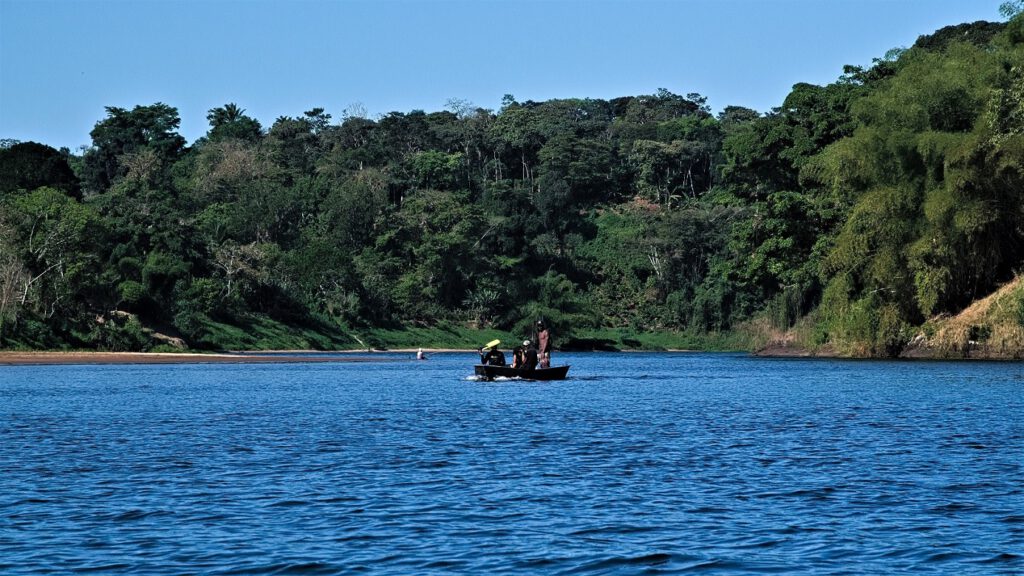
x=932, y=226
x=733, y=116
x=428, y=254
x=14, y=278
x=355, y=145
x=124, y=132
x=978, y=33
x=516, y=137
x=348, y=214
x=666, y=173
x=294, y=145
x=28, y=165
x=433, y=169
x=230, y=121
x=53, y=234
x=587, y=166
x=1011, y=8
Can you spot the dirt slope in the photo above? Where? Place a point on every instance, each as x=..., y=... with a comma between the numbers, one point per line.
x=990, y=328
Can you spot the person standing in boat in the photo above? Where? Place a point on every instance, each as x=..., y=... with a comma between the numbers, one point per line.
x=543, y=345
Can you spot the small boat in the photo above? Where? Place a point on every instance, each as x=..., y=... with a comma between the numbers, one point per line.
x=489, y=372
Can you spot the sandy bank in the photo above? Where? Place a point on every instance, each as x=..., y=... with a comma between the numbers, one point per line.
x=41, y=358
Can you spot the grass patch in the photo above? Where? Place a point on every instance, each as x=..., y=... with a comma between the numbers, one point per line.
x=257, y=332
x=442, y=336
x=626, y=339
x=458, y=337
x=991, y=327
x=263, y=333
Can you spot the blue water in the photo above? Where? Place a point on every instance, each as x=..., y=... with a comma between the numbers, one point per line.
x=640, y=463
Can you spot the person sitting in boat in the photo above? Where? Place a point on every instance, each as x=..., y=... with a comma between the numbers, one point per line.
x=518, y=357
x=529, y=356
x=491, y=356
x=543, y=344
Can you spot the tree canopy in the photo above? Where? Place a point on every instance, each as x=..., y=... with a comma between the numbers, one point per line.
x=863, y=207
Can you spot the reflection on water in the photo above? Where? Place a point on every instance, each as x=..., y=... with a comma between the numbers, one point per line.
x=712, y=463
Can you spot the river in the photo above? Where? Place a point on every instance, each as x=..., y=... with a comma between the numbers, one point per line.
x=639, y=463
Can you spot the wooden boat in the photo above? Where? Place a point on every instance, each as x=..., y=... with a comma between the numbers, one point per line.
x=491, y=372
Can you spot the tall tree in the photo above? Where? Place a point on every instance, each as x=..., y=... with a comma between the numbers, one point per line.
x=153, y=128
x=230, y=121
x=28, y=165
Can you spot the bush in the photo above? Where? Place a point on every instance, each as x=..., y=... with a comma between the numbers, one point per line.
x=1019, y=308
x=120, y=333
x=201, y=296
x=131, y=291
x=192, y=325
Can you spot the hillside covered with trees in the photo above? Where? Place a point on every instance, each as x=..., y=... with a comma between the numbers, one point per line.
x=850, y=218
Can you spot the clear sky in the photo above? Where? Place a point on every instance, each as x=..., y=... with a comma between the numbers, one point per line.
x=61, y=62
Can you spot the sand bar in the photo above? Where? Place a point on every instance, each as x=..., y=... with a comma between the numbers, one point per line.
x=43, y=358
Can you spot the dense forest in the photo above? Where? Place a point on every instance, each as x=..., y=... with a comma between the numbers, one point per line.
x=851, y=215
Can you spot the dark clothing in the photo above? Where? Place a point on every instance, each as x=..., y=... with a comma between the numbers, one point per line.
x=493, y=358
x=530, y=361
x=518, y=357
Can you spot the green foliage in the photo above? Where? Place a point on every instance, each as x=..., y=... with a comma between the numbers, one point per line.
x=131, y=291
x=125, y=132
x=979, y=33
x=929, y=230
x=230, y=122
x=1014, y=33
x=28, y=165
x=433, y=169
x=663, y=340
x=1019, y=308
x=560, y=305
x=119, y=333
x=162, y=270
x=52, y=236
x=258, y=332
x=851, y=213
x=442, y=335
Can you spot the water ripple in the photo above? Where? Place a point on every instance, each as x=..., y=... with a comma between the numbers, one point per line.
x=640, y=463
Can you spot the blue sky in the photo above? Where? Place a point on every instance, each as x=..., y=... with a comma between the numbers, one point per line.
x=61, y=62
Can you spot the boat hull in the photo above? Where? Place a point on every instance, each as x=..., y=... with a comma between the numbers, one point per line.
x=492, y=372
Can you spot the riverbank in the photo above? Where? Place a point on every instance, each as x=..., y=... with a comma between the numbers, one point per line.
x=256, y=333
x=918, y=349
x=44, y=358
x=93, y=358
x=991, y=328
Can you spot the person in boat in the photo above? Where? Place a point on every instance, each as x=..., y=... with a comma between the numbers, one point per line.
x=543, y=345
x=529, y=356
x=518, y=356
x=491, y=356
x=420, y=355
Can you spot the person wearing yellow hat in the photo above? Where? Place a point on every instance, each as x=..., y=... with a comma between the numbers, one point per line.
x=490, y=355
